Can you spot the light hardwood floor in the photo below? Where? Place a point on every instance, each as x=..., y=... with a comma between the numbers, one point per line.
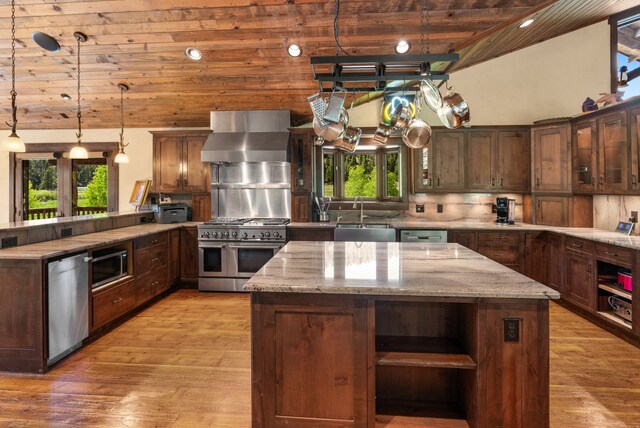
x=185, y=362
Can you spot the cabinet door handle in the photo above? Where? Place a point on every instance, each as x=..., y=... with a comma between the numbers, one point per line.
x=119, y=299
x=501, y=181
x=589, y=268
x=601, y=179
x=537, y=181
x=493, y=182
x=177, y=182
x=438, y=185
x=634, y=179
x=185, y=182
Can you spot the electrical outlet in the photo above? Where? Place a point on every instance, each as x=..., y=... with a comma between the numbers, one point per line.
x=419, y=208
x=12, y=241
x=494, y=208
x=511, y=329
x=66, y=232
x=439, y=208
x=634, y=217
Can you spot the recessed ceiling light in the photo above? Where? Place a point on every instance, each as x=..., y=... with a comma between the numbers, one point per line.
x=294, y=50
x=194, y=54
x=527, y=23
x=66, y=97
x=402, y=47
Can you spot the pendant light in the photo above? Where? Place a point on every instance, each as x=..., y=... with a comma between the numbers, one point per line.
x=122, y=157
x=79, y=152
x=13, y=143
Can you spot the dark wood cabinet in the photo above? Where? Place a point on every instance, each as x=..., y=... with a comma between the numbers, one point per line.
x=551, y=155
x=481, y=160
x=513, y=161
x=301, y=141
x=176, y=162
x=535, y=256
x=422, y=170
x=448, y=148
x=201, y=207
x=113, y=302
x=502, y=247
x=174, y=256
x=554, y=261
x=189, y=254
x=634, y=125
x=152, y=265
x=580, y=286
x=567, y=211
x=321, y=233
x=465, y=238
x=613, y=153
x=585, y=169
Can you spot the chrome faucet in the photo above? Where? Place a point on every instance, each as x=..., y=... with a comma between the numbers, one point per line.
x=355, y=204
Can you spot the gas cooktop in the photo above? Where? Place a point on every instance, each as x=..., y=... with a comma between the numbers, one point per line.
x=239, y=221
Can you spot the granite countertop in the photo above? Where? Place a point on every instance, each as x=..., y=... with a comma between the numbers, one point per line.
x=73, y=244
x=597, y=235
x=391, y=268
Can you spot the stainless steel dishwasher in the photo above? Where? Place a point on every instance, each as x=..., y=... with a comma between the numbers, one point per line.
x=68, y=297
x=423, y=235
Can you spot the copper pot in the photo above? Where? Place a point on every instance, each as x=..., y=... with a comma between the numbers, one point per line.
x=383, y=132
x=454, y=112
x=417, y=135
x=332, y=131
x=401, y=116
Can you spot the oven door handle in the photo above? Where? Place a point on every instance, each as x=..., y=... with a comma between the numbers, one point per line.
x=207, y=245
x=267, y=246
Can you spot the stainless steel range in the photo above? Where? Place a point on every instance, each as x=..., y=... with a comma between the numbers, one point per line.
x=232, y=249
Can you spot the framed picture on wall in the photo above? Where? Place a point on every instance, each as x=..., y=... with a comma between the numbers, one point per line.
x=139, y=193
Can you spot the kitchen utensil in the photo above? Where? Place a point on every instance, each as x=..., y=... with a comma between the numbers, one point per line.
x=350, y=139
x=332, y=131
x=383, y=132
x=431, y=94
x=401, y=116
x=417, y=135
x=324, y=216
x=334, y=106
x=326, y=203
x=319, y=108
x=454, y=112
x=620, y=307
x=318, y=141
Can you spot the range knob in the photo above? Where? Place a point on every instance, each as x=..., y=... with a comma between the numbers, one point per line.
x=267, y=234
x=226, y=234
x=215, y=234
x=261, y=235
x=244, y=235
x=276, y=234
x=234, y=234
x=206, y=234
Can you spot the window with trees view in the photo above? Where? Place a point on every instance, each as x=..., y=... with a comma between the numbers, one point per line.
x=373, y=174
x=89, y=186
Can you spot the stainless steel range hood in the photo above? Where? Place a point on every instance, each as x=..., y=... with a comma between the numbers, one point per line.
x=248, y=136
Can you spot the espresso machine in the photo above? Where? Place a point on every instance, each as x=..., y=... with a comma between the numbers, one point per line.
x=505, y=210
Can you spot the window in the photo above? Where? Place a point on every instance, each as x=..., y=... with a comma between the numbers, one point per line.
x=375, y=173
x=625, y=46
x=89, y=192
x=40, y=188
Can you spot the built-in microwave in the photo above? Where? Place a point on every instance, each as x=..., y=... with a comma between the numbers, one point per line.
x=107, y=266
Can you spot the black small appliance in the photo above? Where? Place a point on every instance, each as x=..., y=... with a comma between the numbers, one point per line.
x=502, y=210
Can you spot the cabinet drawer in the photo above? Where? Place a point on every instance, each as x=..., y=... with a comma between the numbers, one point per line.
x=151, y=258
x=151, y=284
x=578, y=245
x=498, y=239
x=112, y=303
x=505, y=256
x=151, y=240
x=614, y=254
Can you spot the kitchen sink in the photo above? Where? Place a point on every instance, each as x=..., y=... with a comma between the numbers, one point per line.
x=364, y=232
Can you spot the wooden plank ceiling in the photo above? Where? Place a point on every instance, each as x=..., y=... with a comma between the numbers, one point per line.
x=245, y=65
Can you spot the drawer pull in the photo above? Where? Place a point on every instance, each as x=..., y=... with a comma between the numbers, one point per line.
x=154, y=241
x=118, y=300
x=576, y=245
x=589, y=268
x=610, y=254
x=155, y=283
x=155, y=259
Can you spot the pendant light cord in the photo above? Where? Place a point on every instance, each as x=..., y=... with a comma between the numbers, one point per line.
x=79, y=134
x=14, y=94
x=122, y=145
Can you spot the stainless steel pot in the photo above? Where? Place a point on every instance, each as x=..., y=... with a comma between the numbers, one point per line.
x=351, y=138
x=417, y=135
x=401, y=116
x=332, y=131
x=383, y=132
x=454, y=112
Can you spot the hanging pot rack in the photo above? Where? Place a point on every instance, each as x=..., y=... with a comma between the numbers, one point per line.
x=377, y=70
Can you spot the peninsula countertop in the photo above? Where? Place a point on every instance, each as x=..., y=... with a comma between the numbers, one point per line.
x=391, y=268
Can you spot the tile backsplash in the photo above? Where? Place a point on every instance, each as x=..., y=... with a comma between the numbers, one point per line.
x=608, y=210
x=459, y=206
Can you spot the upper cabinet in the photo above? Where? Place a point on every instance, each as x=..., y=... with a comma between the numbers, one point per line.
x=613, y=153
x=584, y=156
x=477, y=159
x=634, y=125
x=551, y=158
x=301, y=164
x=176, y=162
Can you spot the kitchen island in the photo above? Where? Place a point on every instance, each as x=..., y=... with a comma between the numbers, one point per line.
x=353, y=334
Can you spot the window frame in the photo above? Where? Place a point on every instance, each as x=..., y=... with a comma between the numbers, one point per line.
x=613, y=28
x=107, y=150
x=380, y=151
